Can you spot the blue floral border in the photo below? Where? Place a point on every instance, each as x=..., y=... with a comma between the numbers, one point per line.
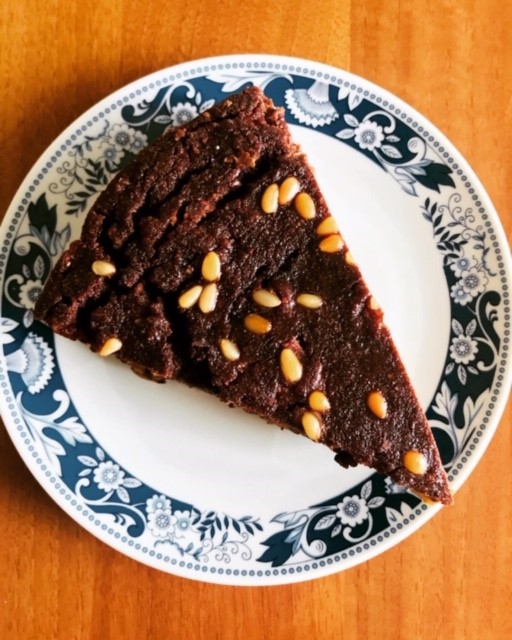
x=205, y=541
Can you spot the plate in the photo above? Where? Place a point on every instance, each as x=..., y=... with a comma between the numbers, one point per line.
x=170, y=476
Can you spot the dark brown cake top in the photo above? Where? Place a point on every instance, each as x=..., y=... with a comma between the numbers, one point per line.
x=213, y=259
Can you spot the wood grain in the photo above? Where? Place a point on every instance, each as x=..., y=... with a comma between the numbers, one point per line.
x=453, y=62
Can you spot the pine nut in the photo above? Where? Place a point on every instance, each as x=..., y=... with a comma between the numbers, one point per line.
x=229, y=350
x=415, y=462
x=190, y=297
x=265, y=298
x=211, y=267
x=318, y=401
x=349, y=258
x=331, y=244
x=270, y=199
x=377, y=404
x=291, y=366
x=305, y=206
x=425, y=498
x=309, y=300
x=288, y=190
x=208, y=298
x=312, y=425
x=110, y=346
x=103, y=268
x=257, y=324
x=374, y=304
x=327, y=227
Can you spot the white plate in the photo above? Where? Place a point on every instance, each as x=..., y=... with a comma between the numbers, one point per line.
x=169, y=475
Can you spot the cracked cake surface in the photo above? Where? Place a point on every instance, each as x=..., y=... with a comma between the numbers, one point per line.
x=212, y=258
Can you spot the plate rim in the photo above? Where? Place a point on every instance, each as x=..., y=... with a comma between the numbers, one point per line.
x=337, y=73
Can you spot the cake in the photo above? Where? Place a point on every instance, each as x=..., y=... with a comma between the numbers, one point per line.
x=212, y=259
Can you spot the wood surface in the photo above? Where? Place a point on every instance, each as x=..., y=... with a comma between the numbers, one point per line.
x=453, y=62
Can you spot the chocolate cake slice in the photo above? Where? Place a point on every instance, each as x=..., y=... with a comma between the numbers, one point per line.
x=213, y=259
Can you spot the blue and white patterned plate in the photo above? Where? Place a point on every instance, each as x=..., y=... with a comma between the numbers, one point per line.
x=169, y=475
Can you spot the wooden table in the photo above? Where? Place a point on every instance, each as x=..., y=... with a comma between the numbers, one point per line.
x=452, y=60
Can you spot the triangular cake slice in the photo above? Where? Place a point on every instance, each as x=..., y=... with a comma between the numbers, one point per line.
x=213, y=259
